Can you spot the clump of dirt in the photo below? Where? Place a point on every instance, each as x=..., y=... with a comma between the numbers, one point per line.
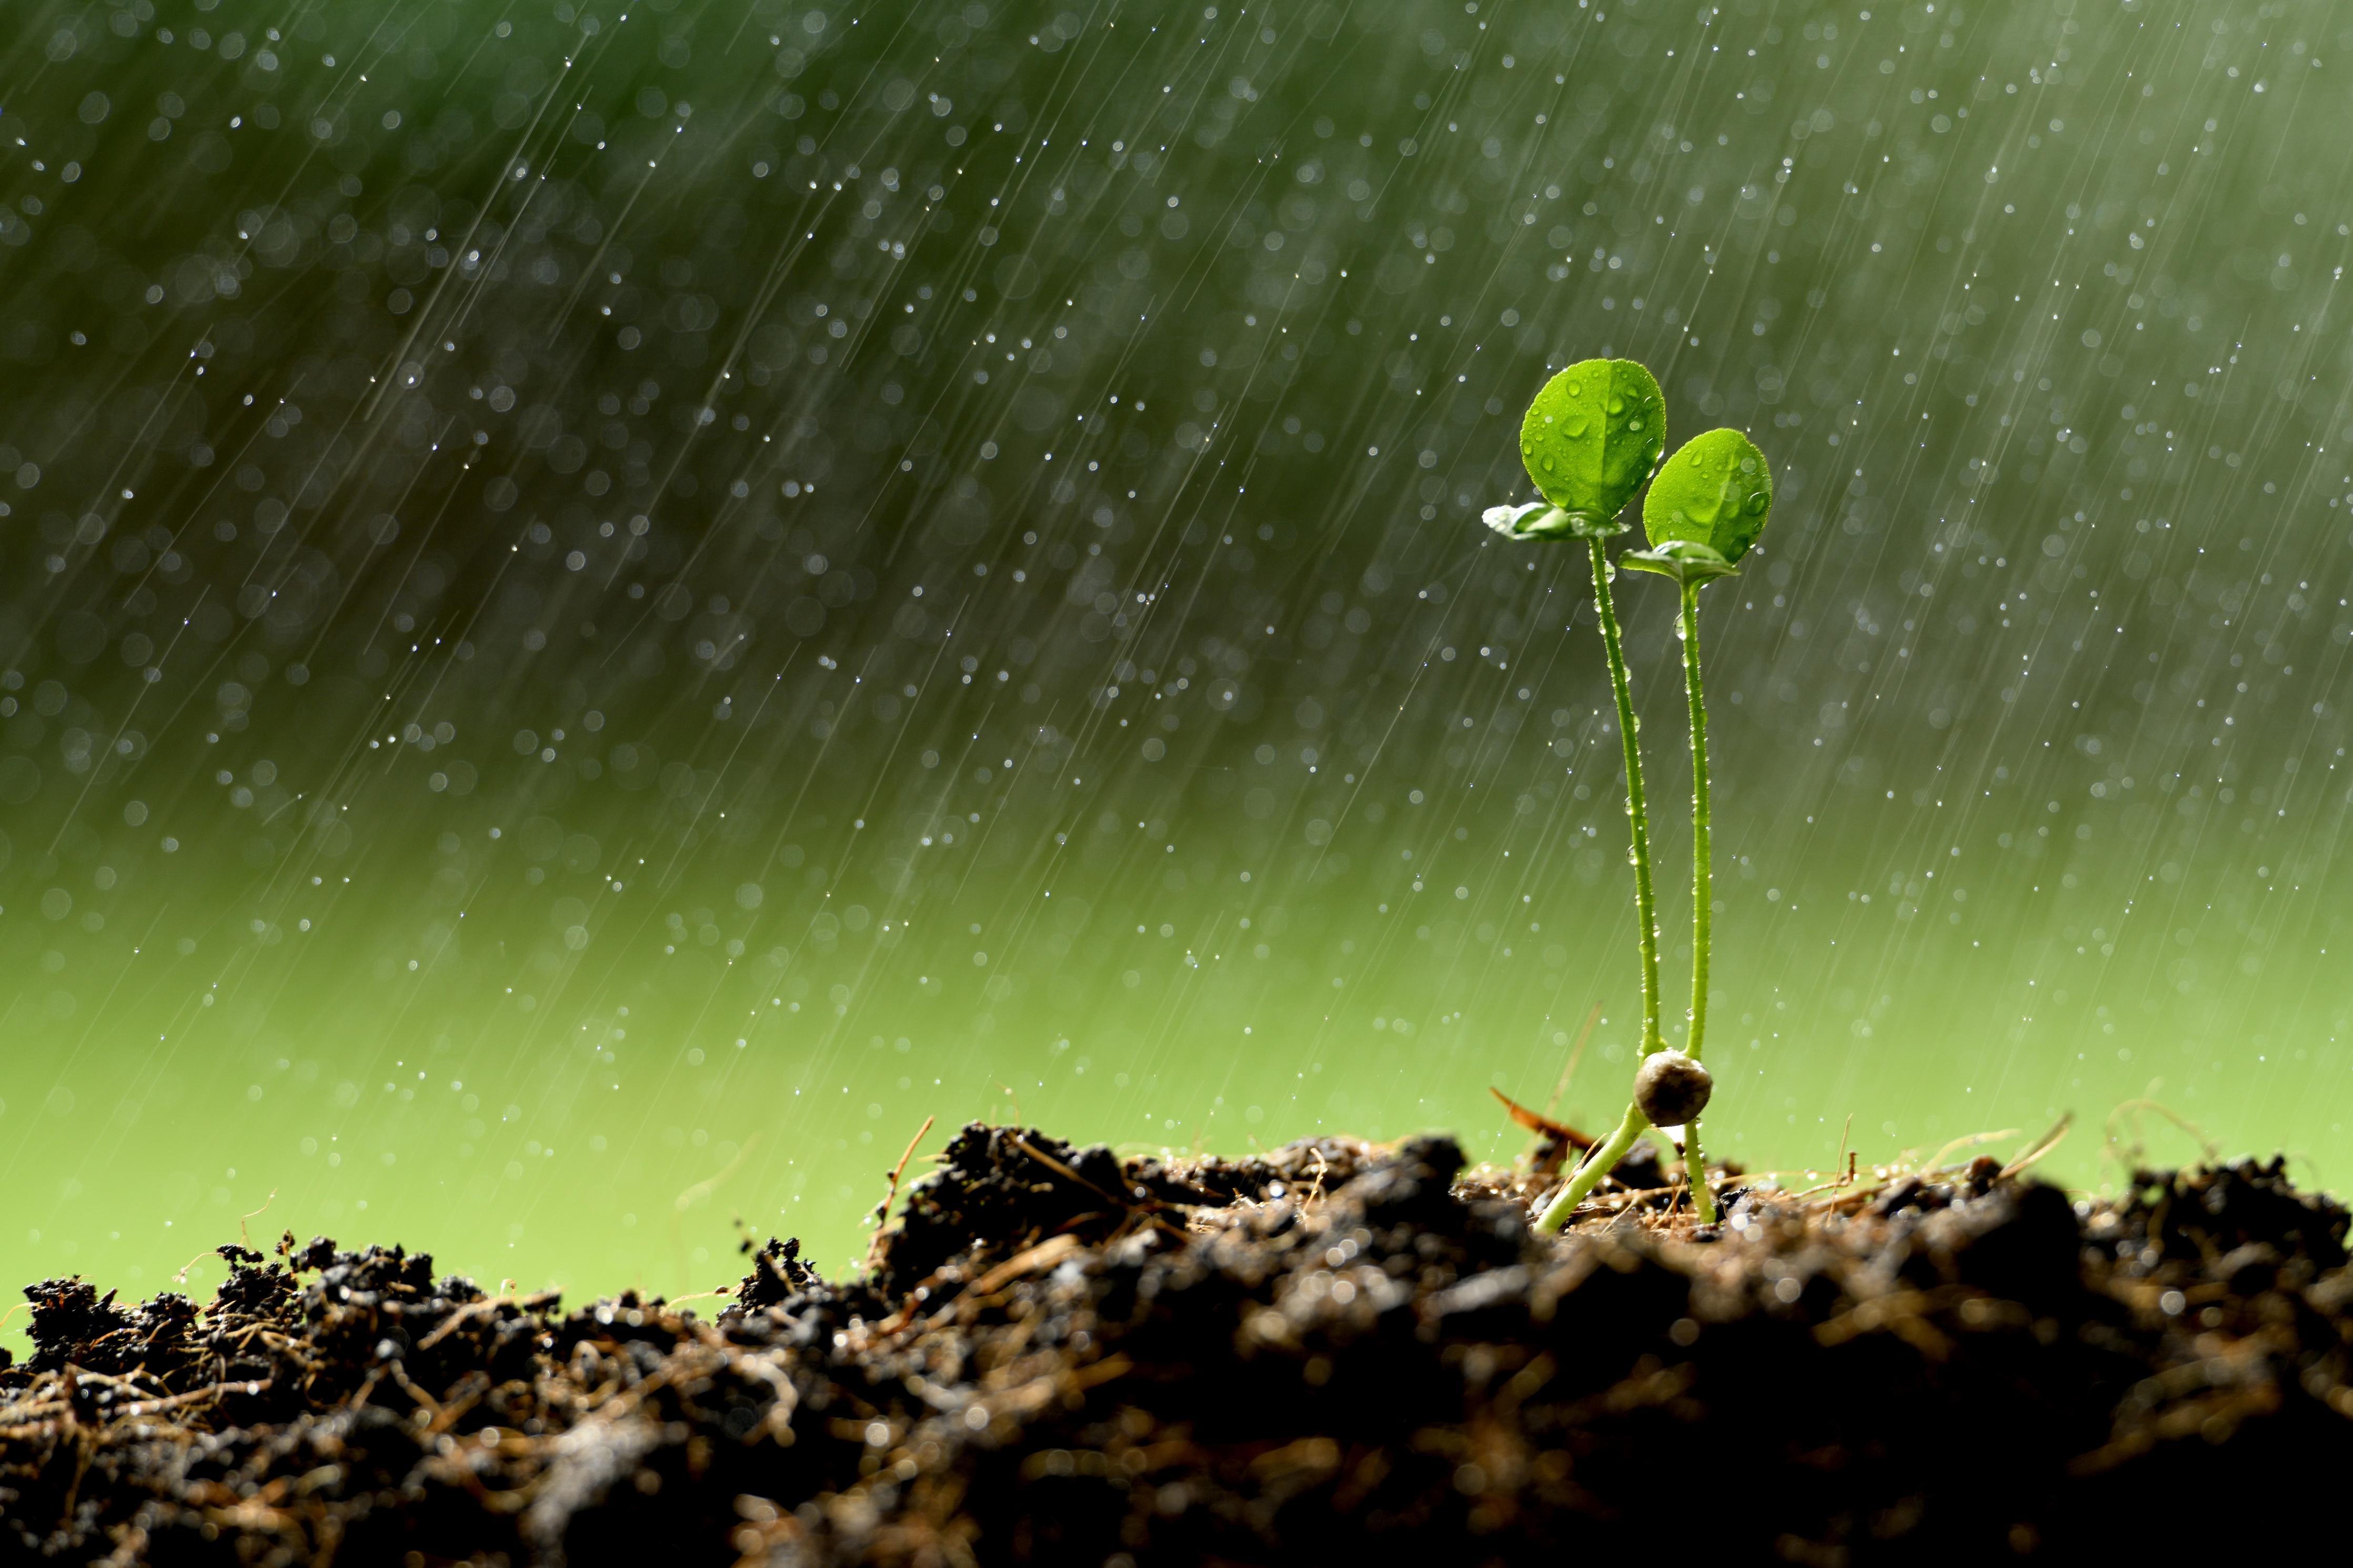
x=1338, y=1352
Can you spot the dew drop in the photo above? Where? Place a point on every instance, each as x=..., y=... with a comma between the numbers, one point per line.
x=1616, y=405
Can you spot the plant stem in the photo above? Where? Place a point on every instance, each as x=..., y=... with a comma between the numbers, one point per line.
x=1604, y=1157
x=1702, y=870
x=1637, y=810
x=1696, y=1167
x=1703, y=891
x=1599, y=1162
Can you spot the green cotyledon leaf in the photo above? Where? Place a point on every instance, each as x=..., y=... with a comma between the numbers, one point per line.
x=1591, y=438
x=1715, y=491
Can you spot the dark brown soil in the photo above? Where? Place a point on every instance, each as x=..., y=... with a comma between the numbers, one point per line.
x=1337, y=1352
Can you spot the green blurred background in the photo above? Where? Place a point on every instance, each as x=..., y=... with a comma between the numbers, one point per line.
x=602, y=614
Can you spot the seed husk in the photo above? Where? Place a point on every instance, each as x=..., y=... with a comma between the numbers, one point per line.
x=1671, y=1089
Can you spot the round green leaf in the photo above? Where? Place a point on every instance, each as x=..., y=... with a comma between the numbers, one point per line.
x=1592, y=436
x=1715, y=491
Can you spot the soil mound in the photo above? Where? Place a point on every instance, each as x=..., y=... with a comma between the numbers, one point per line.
x=1335, y=1353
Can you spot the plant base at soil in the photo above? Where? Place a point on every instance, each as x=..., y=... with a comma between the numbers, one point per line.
x=1336, y=1352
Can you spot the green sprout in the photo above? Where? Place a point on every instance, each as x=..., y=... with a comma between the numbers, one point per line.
x=1591, y=438
x=1703, y=512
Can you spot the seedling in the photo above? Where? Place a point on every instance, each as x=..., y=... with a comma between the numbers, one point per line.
x=1590, y=437
x=1703, y=514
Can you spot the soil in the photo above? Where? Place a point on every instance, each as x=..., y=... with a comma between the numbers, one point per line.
x=1340, y=1351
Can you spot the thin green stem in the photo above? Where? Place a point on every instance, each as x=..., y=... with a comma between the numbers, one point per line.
x=1599, y=1162
x=1703, y=891
x=1604, y=1157
x=1696, y=1167
x=1636, y=811
x=1703, y=869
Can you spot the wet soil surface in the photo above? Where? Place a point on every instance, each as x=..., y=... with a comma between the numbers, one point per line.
x=1339, y=1351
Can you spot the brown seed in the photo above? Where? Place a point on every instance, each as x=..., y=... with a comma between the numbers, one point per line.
x=1671, y=1089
